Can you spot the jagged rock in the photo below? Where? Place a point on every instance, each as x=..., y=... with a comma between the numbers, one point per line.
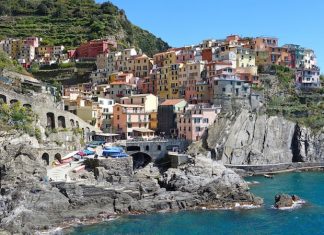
x=30, y=203
x=253, y=139
x=283, y=200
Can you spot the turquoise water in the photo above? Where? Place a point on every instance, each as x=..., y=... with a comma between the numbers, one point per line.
x=307, y=220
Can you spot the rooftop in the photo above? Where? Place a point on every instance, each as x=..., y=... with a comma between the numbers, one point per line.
x=172, y=102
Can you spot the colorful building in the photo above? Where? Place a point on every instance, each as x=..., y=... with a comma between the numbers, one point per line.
x=196, y=118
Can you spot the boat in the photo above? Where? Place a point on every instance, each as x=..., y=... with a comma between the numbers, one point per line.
x=268, y=176
x=114, y=152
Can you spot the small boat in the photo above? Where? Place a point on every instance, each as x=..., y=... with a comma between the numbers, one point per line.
x=115, y=152
x=268, y=176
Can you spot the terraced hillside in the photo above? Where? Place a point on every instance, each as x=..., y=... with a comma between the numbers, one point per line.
x=71, y=22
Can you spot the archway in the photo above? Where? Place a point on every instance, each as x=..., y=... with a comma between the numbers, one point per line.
x=58, y=157
x=45, y=158
x=13, y=101
x=50, y=120
x=140, y=160
x=61, y=122
x=28, y=106
x=133, y=148
x=3, y=98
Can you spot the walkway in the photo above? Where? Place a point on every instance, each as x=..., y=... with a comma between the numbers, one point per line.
x=58, y=173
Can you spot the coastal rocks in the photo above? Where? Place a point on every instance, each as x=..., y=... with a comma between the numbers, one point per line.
x=210, y=181
x=284, y=201
x=31, y=203
x=252, y=139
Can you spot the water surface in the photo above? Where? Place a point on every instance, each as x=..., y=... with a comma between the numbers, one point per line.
x=307, y=220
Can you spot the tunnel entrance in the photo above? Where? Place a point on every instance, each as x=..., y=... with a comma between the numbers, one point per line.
x=3, y=99
x=45, y=158
x=61, y=122
x=58, y=157
x=140, y=160
x=50, y=120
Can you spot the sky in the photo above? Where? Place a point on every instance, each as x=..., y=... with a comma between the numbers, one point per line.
x=187, y=22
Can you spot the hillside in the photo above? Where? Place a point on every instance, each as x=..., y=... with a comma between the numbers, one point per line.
x=71, y=22
x=7, y=63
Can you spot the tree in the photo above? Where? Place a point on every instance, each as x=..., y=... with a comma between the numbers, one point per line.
x=4, y=9
x=322, y=77
x=42, y=9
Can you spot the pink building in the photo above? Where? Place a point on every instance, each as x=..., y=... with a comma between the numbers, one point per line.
x=32, y=41
x=193, y=122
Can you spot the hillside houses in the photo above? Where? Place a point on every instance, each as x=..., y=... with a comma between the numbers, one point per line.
x=177, y=93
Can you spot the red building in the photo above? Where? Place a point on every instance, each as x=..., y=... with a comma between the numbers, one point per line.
x=207, y=54
x=91, y=49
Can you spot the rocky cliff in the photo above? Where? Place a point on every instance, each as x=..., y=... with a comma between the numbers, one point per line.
x=252, y=139
x=28, y=202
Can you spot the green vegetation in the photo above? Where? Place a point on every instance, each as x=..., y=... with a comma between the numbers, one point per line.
x=7, y=63
x=305, y=108
x=17, y=117
x=71, y=22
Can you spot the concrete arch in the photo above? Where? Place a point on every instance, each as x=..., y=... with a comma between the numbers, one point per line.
x=61, y=122
x=27, y=106
x=13, y=101
x=140, y=160
x=72, y=123
x=3, y=98
x=133, y=148
x=58, y=157
x=45, y=158
x=50, y=120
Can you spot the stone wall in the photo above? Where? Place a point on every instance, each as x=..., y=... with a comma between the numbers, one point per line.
x=44, y=106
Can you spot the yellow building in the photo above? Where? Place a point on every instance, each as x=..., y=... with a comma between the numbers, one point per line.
x=16, y=46
x=244, y=58
x=153, y=121
x=173, y=82
x=140, y=65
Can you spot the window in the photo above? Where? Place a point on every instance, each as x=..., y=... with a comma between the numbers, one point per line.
x=117, y=117
x=197, y=128
x=147, y=148
x=129, y=125
x=223, y=89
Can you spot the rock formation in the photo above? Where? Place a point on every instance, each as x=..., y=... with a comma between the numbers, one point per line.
x=254, y=139
x=28, y=202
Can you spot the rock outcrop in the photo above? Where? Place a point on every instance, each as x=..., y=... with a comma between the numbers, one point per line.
x=254, y=139
x=28, y=202
x=284, y=201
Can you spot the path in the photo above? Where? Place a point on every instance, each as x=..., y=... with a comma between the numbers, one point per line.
x=58, y=173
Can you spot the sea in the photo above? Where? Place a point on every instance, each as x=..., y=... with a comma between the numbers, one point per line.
x=308, y=219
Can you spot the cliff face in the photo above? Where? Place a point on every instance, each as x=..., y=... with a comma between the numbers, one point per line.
x=252, y=139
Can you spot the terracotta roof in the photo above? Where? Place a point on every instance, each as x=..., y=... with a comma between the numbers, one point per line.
x=120, y=83
x=172, y=101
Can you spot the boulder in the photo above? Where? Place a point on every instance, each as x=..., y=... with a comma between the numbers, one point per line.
x=283, y=201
